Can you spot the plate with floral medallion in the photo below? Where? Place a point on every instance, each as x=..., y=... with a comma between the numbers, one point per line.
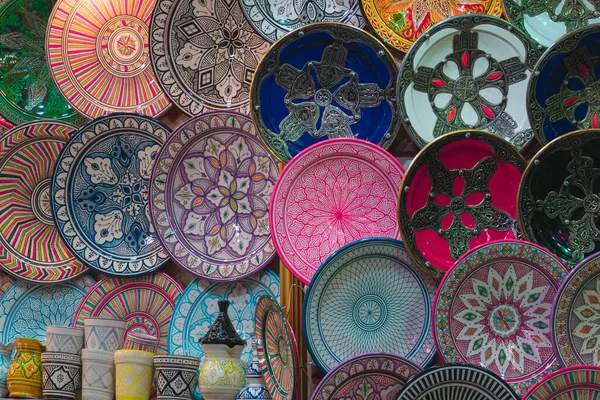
x=367, y=376
x=204, y=54
x=209, y=197
x=468, y=72
x=460, y=191
x=30, y=246
x=579, y=382
x=331, y=194
x=99, y=57
x=493, y=309
x=145, y=303
x=322, y=81
x=100, y=194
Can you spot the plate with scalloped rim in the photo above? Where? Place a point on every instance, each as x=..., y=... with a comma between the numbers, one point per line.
x=579, y=382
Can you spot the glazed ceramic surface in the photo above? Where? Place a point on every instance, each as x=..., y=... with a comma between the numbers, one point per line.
x=100, y=194
x=352, y=305
x=30, y=246
x=331, y=194
x=324, y=81
x=141, y=341
x=256, y=387
x=469, y=72
x=582, y=382
x=104, y=334
x=493, y=309
x=145, y=303
x=222, y=375
x=562, y=94
x=5, y=359
x=99, y=57
x=61, y=375
x=459, y=192
x=210, y=194
x=133, y=374
x=176, y=377
x=25, y=372
x=64, y=340
x=97, y=375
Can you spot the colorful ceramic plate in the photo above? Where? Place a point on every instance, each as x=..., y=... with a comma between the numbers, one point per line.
x=100, y=194
x=468, y=72
x=457, y=382
x=400, y=22
x=562, y=93
x=30, y=246
x=277, y=356
x=145, y=303
x=331, y=194
x=204, y=54
x=324, y=81
x=210, y=195
x=568, y=384
x=371, y=375
x=492, y=309
x=459, y=192
x=353, y=305
x=99, y=56
x=27, y=308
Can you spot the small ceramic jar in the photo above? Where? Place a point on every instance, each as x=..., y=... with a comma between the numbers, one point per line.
x=133, y=370
x=61, y=375
x=255, y=389
x=141, y=341
x=5, y=354
x=176, y=377
x=104, y=334
x=25, y=372
x=97, y=375
x=60, y=339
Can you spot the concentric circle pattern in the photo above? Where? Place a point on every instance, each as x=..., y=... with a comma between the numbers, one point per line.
x=582, y=382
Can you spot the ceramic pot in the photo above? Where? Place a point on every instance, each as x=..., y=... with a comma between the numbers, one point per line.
x=25, y=372
x=5, y=354
x=255, y=389
x=97, y=375
x=141, y=341
x=60, y=339
x=61, y=375
x=104, y=334
x=176, y=377
x=133, y=374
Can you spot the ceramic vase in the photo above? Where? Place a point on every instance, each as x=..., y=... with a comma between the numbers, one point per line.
x=5, y=355
x=25, y=372
x=255, y=387
x=60, y=339
x=97, y=375
x=104, y=334
x=133, y=370
x=176, y=377
x=61, y=375
x=141, y=341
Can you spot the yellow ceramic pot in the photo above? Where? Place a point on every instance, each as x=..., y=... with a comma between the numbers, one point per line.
x=25, y=372
x=222, y=375
x=133, y=371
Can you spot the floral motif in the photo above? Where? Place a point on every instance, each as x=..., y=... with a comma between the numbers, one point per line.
x=100, y=170
x=108, y=227
x=146, y=157
x=131, y=194
x=588, y=328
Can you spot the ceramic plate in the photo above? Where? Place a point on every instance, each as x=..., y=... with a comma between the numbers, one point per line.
x=459, y=192
x=371, y=375
x=457, y=382
x=27, y=308
x=100, y=194
x=352, y=305
x=99, y=56
x=204, y=54
x=492, y=309
x=469, y=72
x=568, y=384
x=145, y=303
x=210, y=195
x=30, y=246
x=332, y=194
x=561, y=96
x=324, y=81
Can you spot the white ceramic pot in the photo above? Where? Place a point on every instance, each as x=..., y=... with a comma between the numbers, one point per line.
x=98, y=375
x=60, y=339
x=61, y=375
x=176, y=377
x=104, y=334
x=222, y=375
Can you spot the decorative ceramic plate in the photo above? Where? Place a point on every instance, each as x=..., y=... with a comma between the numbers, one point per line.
x=5, y=282
x=331, y=194
x=99, y=56
x=371, y=375
x=210, y=195
x=353, y=305
x=26, y=308
x=459, y=192
x=457, y=382
x=468, y=72
x=323, y=81
x=582, y=382
x=561, y=95
x=145, y=303
x=100, y=194
x=400, y=22
x=492, y=309
x=30, y=246
x=204, y=54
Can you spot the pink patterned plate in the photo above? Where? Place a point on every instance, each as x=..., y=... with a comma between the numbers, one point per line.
x=493, y=309
x=573, y=383
x=333, y=193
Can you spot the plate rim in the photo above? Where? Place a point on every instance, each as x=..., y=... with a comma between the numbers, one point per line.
x=561, y=371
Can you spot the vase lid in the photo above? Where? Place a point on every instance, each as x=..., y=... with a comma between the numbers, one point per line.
x=222, y=330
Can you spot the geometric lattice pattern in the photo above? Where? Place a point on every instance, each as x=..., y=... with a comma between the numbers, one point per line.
x=174, y=383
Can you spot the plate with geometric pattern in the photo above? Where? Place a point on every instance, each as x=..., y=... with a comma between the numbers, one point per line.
x=369, y=296
x=572, y=383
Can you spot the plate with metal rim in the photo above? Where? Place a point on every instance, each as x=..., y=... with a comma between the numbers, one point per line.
x=468, y=72
x=99, y=57
x=458, y=192
x=204, y=54
x=100, y=194
x=352, y=305
x=562, y=93
x=209, y=197
x=578, y=382
x=331, y=194
x=381, y=374
x=26, y=308
x=325, y=80
x=145, y=303
x=30, y=246
x=493, y=309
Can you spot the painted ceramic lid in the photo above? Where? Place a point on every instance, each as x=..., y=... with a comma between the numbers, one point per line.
x=568, y=383
x=222, y=330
